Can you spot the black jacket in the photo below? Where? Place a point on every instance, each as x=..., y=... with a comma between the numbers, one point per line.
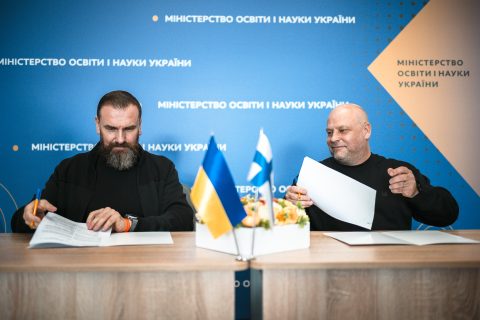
x=433, y=205
x=71, y=186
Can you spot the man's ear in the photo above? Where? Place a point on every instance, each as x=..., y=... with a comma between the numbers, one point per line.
x=368, y=130
x=97, y=125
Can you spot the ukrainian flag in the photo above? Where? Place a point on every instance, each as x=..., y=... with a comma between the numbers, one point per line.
x=214, y=194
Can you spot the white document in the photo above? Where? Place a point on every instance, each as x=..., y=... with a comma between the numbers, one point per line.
x=138, y=238
x=427, y=237
x=340, y=196
x=410, y=237
x=58, y=231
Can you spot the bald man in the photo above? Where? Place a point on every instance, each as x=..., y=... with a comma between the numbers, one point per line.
x=403, y=192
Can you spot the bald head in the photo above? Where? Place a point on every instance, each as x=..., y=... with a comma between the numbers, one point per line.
x=348, y=132
x=352, y=110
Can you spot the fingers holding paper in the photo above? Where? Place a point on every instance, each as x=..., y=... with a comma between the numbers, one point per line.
x=33, y=220
x=104, y=219
x=297, y=194
x=403, y=182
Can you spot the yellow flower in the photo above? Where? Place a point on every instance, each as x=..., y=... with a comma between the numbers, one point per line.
x=284, y=212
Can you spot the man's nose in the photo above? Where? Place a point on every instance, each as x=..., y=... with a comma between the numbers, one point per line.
x=334, y=136
x=120, y=136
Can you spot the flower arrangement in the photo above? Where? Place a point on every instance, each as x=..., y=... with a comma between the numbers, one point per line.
x=284, y=212
x=291, y=230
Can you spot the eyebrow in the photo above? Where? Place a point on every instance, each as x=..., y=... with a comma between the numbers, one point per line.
x=343, y=127
x=109, y=127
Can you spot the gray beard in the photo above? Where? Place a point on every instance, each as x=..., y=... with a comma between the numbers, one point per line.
x=121, y=160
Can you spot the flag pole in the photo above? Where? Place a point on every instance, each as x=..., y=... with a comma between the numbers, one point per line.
x=255, y=214
x=239, y=256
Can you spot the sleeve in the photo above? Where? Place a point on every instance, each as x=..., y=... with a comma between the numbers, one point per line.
x=49, y=192
x=172, y=212
x=18, y=224
x=433, y=205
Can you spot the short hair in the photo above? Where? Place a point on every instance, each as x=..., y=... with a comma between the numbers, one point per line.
x=119, y=100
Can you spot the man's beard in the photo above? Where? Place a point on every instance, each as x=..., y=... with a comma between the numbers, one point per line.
x=120, y=160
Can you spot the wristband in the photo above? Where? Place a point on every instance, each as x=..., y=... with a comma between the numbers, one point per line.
x=133, y=222
x=127, y=224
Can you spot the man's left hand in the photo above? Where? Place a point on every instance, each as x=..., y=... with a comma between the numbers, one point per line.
x=403, y=182
x=105, y=219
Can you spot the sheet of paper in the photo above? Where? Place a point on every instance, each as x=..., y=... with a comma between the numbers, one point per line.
x=409, y=237
x=55, y=231
x=428, y=237
x=338, y=195
x=357, y=238
x=137, y=238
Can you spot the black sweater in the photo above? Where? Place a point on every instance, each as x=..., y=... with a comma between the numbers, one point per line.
x=433, y=205
x=72, y=187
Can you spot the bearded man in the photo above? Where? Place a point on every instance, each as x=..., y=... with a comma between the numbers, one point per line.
x=117, y=184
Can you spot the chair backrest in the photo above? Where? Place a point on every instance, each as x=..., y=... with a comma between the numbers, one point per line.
x=424, y=227
x=186, y=191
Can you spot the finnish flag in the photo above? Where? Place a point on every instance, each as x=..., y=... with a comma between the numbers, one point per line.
x=261, y=172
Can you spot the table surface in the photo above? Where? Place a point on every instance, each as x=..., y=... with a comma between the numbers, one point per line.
x=15, y=256
x=183, y=255
x=328, y=253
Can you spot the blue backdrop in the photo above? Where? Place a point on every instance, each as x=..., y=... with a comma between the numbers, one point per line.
x=222, y=67
x=202, y=67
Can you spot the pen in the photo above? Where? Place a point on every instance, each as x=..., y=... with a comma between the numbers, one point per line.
x=35, y=205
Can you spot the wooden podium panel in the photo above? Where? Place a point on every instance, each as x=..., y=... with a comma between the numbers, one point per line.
x=332, y=280
x=125, y=282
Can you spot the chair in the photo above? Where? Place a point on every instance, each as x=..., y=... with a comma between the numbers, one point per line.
x=425, y=227
x=186, y=191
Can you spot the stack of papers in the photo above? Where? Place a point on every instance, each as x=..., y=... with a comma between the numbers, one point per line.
x=58, y=231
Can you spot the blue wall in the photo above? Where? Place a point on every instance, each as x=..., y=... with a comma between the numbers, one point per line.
x=289, y=62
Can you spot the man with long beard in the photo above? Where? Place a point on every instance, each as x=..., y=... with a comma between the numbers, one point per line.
x=117, y=184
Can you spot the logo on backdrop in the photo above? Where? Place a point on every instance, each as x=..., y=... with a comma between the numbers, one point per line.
x=96, y=62
x=150, y=147
x=249, y=105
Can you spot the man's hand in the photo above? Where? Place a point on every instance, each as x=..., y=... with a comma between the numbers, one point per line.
x=34, y=220
x=105, y=219
x=297, y=194
x=403, y=182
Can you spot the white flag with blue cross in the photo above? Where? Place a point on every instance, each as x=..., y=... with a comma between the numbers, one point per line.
x=261, y=172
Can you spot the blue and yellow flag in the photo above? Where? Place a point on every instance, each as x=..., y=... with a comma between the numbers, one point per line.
x=214, y=194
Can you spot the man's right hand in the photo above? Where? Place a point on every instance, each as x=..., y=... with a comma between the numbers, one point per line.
x=43, y=206
x=297, y=194
x=104, y=219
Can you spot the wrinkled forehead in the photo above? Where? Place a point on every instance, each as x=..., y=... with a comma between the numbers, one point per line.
x=120, y=116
